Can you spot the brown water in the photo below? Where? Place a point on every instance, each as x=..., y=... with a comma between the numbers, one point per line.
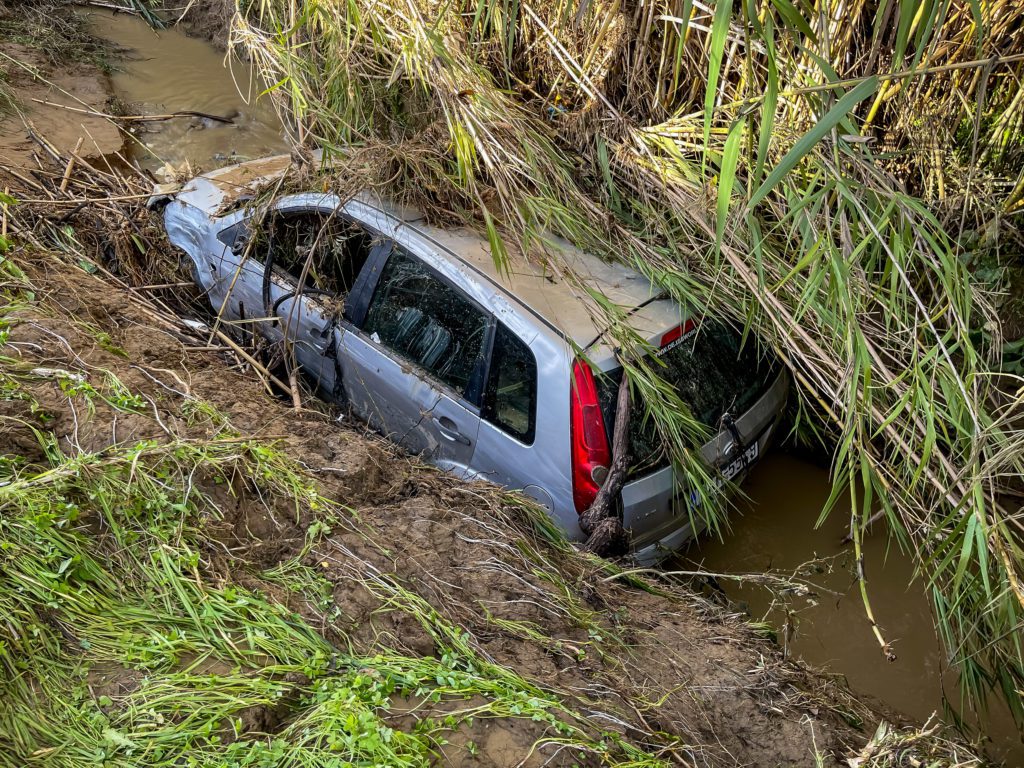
x=774, y=530
x=166, y=71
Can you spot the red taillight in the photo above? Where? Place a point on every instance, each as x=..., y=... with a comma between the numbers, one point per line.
x=591, y=455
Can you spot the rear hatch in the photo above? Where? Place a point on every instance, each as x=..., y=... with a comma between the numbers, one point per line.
x=717, y=375
x=735, y=389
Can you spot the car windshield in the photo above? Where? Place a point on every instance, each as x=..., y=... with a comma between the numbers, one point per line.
x=714, y=374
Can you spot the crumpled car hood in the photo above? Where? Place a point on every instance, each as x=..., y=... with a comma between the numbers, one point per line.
x=214, y=191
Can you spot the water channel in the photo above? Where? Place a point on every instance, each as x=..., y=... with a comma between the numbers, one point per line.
x=165, y=72
x=772, y=529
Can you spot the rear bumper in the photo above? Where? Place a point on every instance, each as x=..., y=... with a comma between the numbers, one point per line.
x=654, y=508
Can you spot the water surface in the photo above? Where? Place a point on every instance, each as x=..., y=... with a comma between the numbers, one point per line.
x=774, y=530
x=165, y=71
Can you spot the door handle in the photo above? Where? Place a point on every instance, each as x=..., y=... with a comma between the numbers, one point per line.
x=450, y=430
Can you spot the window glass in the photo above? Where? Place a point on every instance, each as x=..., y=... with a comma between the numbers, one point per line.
x=510, y=399
x=335, y=248
x=428, y=322
x=712, y=371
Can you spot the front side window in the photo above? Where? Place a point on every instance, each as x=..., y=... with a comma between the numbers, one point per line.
x=424, y=320
x=328, y=248
x=510, y=398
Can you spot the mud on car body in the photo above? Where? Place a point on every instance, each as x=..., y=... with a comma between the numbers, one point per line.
x=419, y=334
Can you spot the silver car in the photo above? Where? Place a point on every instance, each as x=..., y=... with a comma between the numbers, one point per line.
x=415, y=330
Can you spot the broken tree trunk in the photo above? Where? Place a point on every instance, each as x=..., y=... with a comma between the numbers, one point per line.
x=601, y=521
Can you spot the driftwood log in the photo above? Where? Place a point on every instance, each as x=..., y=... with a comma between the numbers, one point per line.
x=601, y=523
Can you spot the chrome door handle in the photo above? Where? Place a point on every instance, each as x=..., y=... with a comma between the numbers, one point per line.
x=450, y=430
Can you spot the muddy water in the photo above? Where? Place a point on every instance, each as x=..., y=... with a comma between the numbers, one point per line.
x=164, y=72
x=774, y=530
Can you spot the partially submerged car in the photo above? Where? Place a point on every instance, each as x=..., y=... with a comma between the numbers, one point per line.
x=478, y=369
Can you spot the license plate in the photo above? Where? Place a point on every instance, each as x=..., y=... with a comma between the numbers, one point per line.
x=729, y=471
x=741, y=462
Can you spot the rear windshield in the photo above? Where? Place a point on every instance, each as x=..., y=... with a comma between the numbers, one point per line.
x=712, y=372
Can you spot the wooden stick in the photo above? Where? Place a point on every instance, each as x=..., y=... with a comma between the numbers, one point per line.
x=77, y=200
x=137, y=118
x=25, y=180
x=108, y=6
x=293, y=381
x=41, y=140
x=71, y=165
x=254, y=363
x=160, y=285
x=600, y=522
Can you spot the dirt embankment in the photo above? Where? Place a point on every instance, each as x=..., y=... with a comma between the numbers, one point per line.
x=206, y=19
x=52, y=74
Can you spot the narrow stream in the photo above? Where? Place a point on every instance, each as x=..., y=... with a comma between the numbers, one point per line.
x=773, y=529
x=167, y=71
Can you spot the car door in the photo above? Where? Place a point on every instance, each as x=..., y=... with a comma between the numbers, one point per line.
x=310, y=267
x=309, y=256
x=414, y=366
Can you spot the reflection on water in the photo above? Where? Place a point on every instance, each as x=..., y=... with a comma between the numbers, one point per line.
x=164, y=72
x=774, y=529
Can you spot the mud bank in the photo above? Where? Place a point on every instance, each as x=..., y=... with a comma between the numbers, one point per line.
x=208, y=20
x=55, y=103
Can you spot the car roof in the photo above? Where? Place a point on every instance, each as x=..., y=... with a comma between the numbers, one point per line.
x=553, y=297
x=556, y=298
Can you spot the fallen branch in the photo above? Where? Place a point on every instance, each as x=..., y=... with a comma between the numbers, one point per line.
x=138, y=118
x=601, y=521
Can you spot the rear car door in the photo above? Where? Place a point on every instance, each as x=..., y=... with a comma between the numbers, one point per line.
x=414, y=368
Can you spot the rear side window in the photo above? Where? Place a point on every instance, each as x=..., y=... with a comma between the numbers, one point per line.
x=430, y=323
x=510, y=399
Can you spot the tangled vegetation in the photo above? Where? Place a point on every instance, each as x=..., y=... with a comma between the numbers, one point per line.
x=841, y=178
